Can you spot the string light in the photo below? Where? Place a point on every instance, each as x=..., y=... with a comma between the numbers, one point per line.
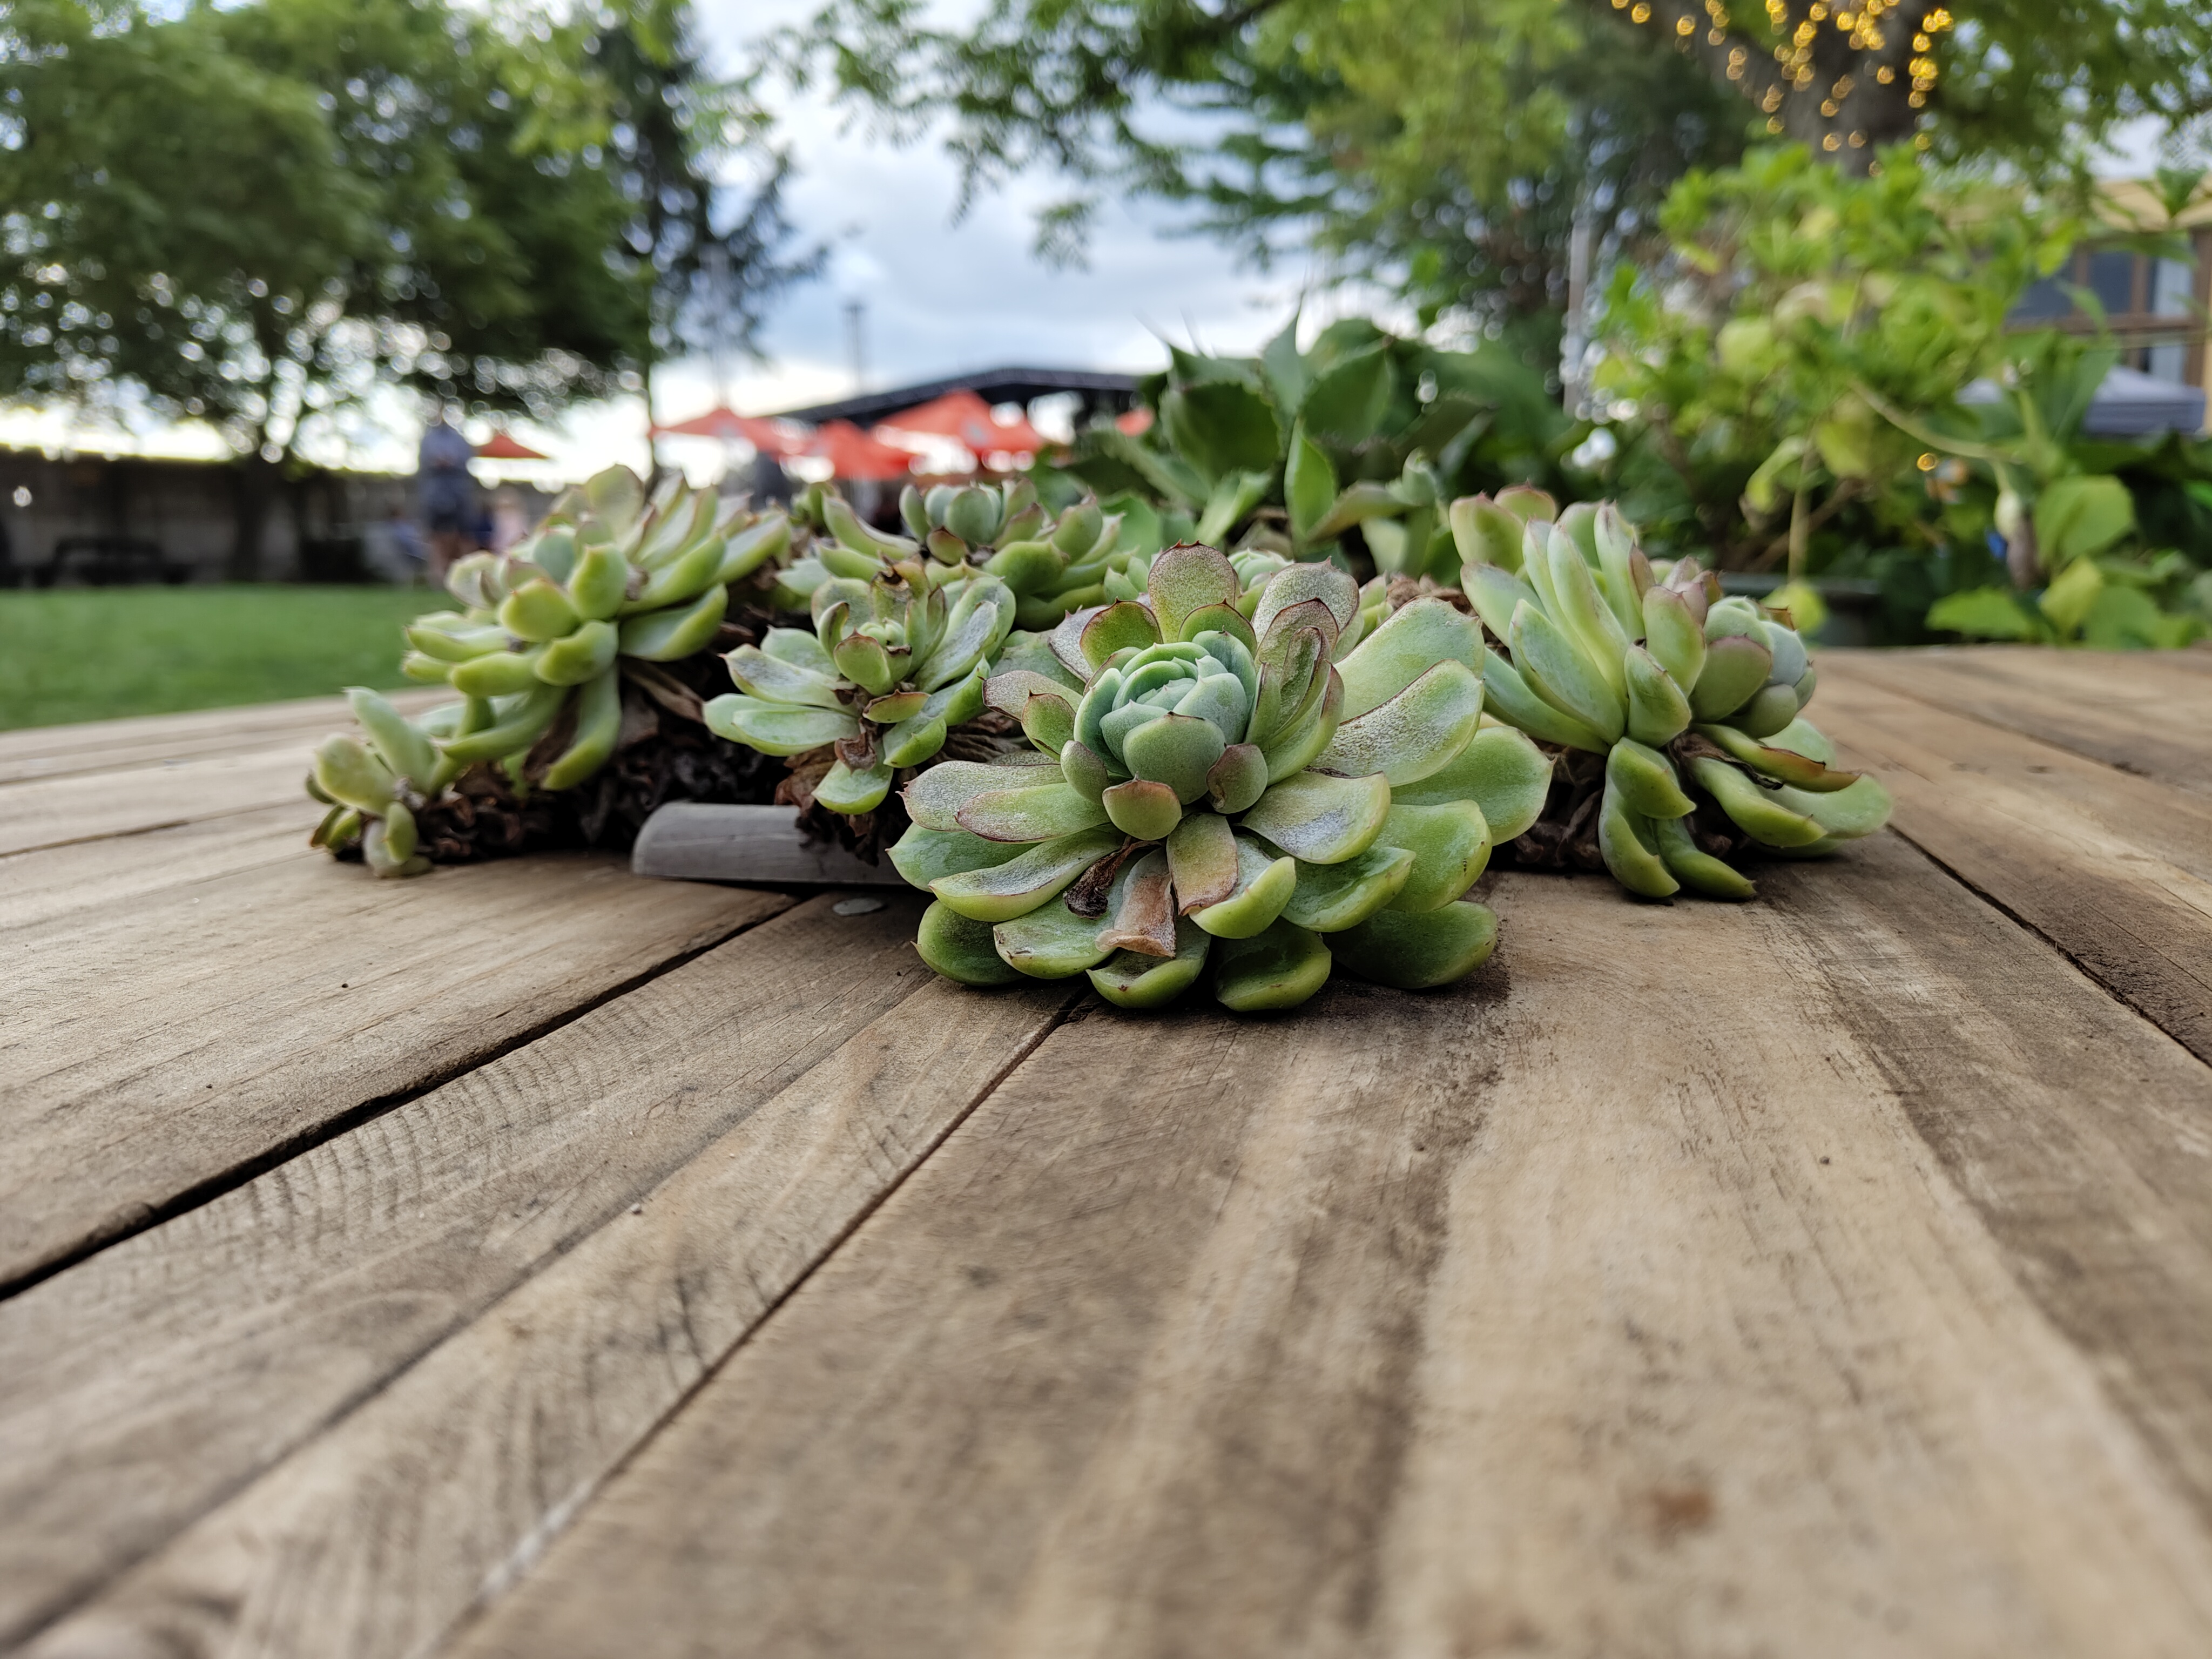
x=1860, y=21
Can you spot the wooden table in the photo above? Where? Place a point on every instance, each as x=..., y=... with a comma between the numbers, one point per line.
x=534, y=1260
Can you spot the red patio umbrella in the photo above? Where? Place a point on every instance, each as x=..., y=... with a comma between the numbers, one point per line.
x=964, y=415
x=725, y=423
x=500, y=447
x=856, y=455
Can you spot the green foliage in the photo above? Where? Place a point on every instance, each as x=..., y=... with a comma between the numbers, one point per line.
x=1348, y=449
x=103, y=653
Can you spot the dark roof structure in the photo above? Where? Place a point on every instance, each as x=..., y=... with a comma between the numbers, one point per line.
x=1099, y=390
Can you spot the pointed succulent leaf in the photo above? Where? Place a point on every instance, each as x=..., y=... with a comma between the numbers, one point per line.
x=1027, y=811
x=1027, y=566
x=1130, y=979
x=1201, y=853
x=405, y=750
x=1176, y=750
x=1416, y=952
x=1414, y=639
x=1790, y=661
x=1658, y=713
x=1583, y=612
x=1266, y=879
x=1858, y=809
x=1053, y=942
x=977, y=627
x=999, y=892
x=1485, y=534
x=1496, y=596
x=1788, y=766
x=1278, y=969
x=1330, y=897
x=776, y=679
x=961, y=948
x=1239, y=778
x=1675, y=634
x=348, y=773
x=1233, y=496
x=1418, y=732
x=1772, y=708
x=678, y=632
x=1321, y=818
x=1736, y=666
x=1290, y=663
x=1555, y=668
x=911, y=742
x=578, y=657
x=1501, y=771
x=1117, y=627
x=935, y=799
x=1695, y=868
x=1144, y=920
x=1297, y=584
x=894, y=707
x=1630, y=847
x=1086, y=772
x=1185, y=579
x=922, y=856
x=1033, y=654
x=777, y=728
x=1759, y=813
x=1309, y=483
x=1304, y=738
x=843, y=789
x=1450, y=844
x=1645, y=780
x=1617, y=558
x=1143, y=808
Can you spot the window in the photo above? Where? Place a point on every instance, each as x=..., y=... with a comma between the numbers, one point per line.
x=2113, y=279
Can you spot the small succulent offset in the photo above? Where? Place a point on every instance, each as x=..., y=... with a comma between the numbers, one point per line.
x=894, y=663
x=1212, y=790
x=373, y=789
x=1648, y=667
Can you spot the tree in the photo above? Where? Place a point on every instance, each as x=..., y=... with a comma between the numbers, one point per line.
x=1446, y=145
x=255, y=214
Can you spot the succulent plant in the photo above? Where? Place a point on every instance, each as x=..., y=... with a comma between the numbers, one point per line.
x=607, y=575
x=1676, y=687
x=538, y=654
x=894, y=661
x=1211, y=790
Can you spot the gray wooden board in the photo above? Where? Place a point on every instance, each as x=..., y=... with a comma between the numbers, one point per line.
x=339, y=1322
x=163, y=1043
x=690, y=841
x=50, y=751
x=1611, y=1303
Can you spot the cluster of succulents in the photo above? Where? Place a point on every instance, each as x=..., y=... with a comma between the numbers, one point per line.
x=894, y=661
x=538, y=652
x=1210, y=790
x=1689, y=697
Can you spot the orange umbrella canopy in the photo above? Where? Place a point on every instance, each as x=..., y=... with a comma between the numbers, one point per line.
x=964, y=415
x=729, y=426
x=856, y=455
x=500, y=447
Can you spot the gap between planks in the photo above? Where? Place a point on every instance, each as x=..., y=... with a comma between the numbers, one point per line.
x=757, y=1102
x=162, y=1051
x=1611, y=1303
x=2114, y=869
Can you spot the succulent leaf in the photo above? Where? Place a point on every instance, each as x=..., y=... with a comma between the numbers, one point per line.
x=1416, y=952
x=1276, y=968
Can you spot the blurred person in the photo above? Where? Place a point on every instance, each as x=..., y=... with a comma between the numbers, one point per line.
x=510, y=519
x=446, y=494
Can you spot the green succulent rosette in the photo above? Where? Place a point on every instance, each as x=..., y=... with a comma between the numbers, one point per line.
x=893, y=663
x=1210, y=792
x=537, y=652
x=1695, y=701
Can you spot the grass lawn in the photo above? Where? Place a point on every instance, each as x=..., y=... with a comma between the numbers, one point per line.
x=95, y=652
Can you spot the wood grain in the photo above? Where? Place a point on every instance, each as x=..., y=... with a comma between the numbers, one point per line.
x=812, y=1062
x=90, y=875
x=2115, y=870
x=50, y=751
x=156, y=1047
x=92, y=806
x=2141, y=711
x=379, y=1534
x=1610, y=1304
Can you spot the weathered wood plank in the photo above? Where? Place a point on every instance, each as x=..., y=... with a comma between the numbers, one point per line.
x=2144, y=712
x=801, y=1070
x=90, y=875
x=91, y=805
x=1623, y=1312
x=2114, y=869
x=157, y=1047
x=49, y=751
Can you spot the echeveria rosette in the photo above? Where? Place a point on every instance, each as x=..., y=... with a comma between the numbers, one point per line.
x=892, y=666
x=1210, y=791
x=537, y=651
x=1651, y=667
